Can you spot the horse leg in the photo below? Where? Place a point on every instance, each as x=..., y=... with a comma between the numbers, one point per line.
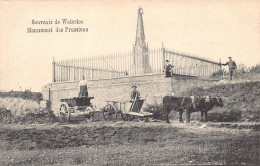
x=167, y=118
x=180, y=116
x=206, y=116
x=201, y=115
x=166, y=114
x=188, y=116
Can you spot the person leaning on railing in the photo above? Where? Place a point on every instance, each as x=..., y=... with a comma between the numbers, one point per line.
x=168, y=69
x=83, y=88
x=232, y=67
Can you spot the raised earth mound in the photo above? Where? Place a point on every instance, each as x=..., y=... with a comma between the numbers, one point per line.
x=241, y=101
x=23, y=107
x=40, y=116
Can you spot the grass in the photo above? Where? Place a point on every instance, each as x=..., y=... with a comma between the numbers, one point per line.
x=241, y=73
x=178, y=144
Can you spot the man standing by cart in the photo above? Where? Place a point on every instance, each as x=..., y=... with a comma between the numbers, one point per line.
x=232, y=67
x=135, y=97
x=135, y=94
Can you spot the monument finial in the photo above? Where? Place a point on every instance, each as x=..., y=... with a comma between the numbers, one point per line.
x=140, y=10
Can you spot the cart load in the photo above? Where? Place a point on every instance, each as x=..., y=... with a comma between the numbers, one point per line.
x=77, y=108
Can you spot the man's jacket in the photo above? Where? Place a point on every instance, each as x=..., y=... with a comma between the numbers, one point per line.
x=135, y=93
x=231, y=64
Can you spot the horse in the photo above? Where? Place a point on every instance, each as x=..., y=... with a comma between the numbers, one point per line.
x=189, y=104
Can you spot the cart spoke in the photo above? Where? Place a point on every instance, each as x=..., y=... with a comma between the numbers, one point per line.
x=90, y=117
x=109, y=113
x=64, y=113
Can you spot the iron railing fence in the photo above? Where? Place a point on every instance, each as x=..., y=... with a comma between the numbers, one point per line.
x=191, y=65
x=118, y=65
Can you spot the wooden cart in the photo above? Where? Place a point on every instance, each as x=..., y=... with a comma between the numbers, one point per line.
x=77, y=108
x=127, y=109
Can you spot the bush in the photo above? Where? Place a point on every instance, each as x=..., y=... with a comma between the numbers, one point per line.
x=5, y=116
x=26, y=95
x=217, y=74
x=225, y=116
x=31, y=116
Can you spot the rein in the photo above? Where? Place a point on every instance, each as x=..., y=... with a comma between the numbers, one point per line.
x=184, y=105
x=218, y=100
x=182, y=101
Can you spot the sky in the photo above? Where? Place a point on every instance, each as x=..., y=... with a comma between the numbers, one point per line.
x=211, y=29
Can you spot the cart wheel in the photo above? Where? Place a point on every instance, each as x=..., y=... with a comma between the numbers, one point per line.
x=125, y=117
x=90, y=117
x=150, y=119
x=64, y=115
x=142, y=119
x=109, y=113
x=131, y=117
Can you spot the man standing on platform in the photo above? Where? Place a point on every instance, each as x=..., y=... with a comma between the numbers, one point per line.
x=168, y=69
x=232, y=67
x=83, y=88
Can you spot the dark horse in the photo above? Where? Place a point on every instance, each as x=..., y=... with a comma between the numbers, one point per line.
x=190, y=104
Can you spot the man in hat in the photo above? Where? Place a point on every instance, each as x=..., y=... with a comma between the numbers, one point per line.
x=231, y=66
x=135, y=94
x=168, y=69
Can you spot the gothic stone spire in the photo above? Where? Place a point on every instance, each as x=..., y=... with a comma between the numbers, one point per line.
x=140, y=49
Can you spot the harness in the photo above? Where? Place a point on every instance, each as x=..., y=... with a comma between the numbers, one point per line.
x=193, y=101
x=218, y=100
x=180, y=106
x=182, y=103
x=182, y=100
x=207, y=100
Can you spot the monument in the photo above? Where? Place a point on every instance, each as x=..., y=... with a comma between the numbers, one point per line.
x=141, y=63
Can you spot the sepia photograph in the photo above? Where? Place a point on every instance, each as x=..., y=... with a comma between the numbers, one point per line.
x=138, y=82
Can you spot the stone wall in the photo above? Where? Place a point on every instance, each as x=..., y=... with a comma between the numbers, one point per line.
x=155, y=86
x=181, y=83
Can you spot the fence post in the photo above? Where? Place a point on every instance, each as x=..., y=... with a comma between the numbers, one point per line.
x=163, y=57
x=92, y=74
x=53, y=70
x=220, y=65
x=74, y=73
